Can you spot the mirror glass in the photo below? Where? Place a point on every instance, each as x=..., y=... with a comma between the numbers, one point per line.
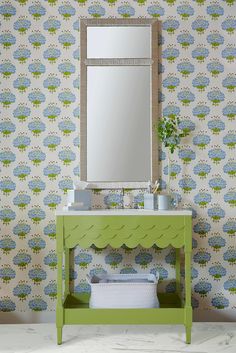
x=118, y=42
x=118, y=123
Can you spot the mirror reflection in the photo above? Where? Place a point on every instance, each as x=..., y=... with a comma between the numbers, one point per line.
x=118, y=123
x=118, y=42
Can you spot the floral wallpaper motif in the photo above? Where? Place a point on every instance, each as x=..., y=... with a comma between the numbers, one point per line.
x=39, y=157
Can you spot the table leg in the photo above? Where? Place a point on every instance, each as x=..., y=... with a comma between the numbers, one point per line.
x=67, y=271
x=59, y=307
x=177, y=271
x=188, y=330
x=59, y=335
x=188, y=307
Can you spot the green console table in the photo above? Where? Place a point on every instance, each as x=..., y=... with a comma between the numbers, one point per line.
x=115, y=228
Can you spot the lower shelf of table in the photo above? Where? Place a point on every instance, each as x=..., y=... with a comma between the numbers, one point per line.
x=77, y=311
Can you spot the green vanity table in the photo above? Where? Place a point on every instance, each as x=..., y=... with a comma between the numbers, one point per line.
x=115, y=228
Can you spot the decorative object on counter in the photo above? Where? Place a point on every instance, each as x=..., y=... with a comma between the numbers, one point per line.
x=124, y=291
x=164, y=202
x=79, y=198
x=150, y=198
x=150, y=201
x=155, y=201
x=170, y=135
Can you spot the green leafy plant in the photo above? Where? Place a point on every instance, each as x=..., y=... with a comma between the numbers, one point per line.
x=170, y=135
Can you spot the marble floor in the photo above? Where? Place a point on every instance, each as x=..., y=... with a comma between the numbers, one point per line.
x=206, y=338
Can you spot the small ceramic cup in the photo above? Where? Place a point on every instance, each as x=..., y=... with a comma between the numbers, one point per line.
x=166, y=202
x=150, y=201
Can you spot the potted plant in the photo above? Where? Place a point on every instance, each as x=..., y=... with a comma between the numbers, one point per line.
x=170, y=135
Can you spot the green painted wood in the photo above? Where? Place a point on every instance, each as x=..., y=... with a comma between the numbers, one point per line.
x=188, y=323
x=59, y=335
x=188, y=252
x=59, y=307
x=77, y=311
x=188, y=330
x=67, y=271
x=131, y=231
x=124, y=316
x=60, y=233
x=177, y=271
x=188, y=233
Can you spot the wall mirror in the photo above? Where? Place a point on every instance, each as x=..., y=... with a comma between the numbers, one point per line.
x=118, y=99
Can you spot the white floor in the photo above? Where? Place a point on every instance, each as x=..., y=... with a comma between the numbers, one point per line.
x=206, y=338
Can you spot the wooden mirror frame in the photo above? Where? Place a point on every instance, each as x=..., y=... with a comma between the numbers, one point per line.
x=85, y=62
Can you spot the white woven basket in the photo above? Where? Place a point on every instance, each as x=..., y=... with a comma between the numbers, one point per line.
x=124, y=291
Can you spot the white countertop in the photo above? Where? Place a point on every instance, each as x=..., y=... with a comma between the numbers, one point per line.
x=124, y=212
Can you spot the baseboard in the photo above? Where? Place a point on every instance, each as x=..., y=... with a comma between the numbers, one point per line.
x=18, y=317
x=200, y=315
x=214, y=315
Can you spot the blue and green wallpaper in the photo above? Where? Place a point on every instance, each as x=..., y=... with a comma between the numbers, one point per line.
x=39, y=157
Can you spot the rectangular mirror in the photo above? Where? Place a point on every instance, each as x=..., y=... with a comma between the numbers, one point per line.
x=118, y=42
x=118, y=101
x=116, y=123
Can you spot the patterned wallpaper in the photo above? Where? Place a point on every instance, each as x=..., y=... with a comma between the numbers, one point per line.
x=39, y=98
